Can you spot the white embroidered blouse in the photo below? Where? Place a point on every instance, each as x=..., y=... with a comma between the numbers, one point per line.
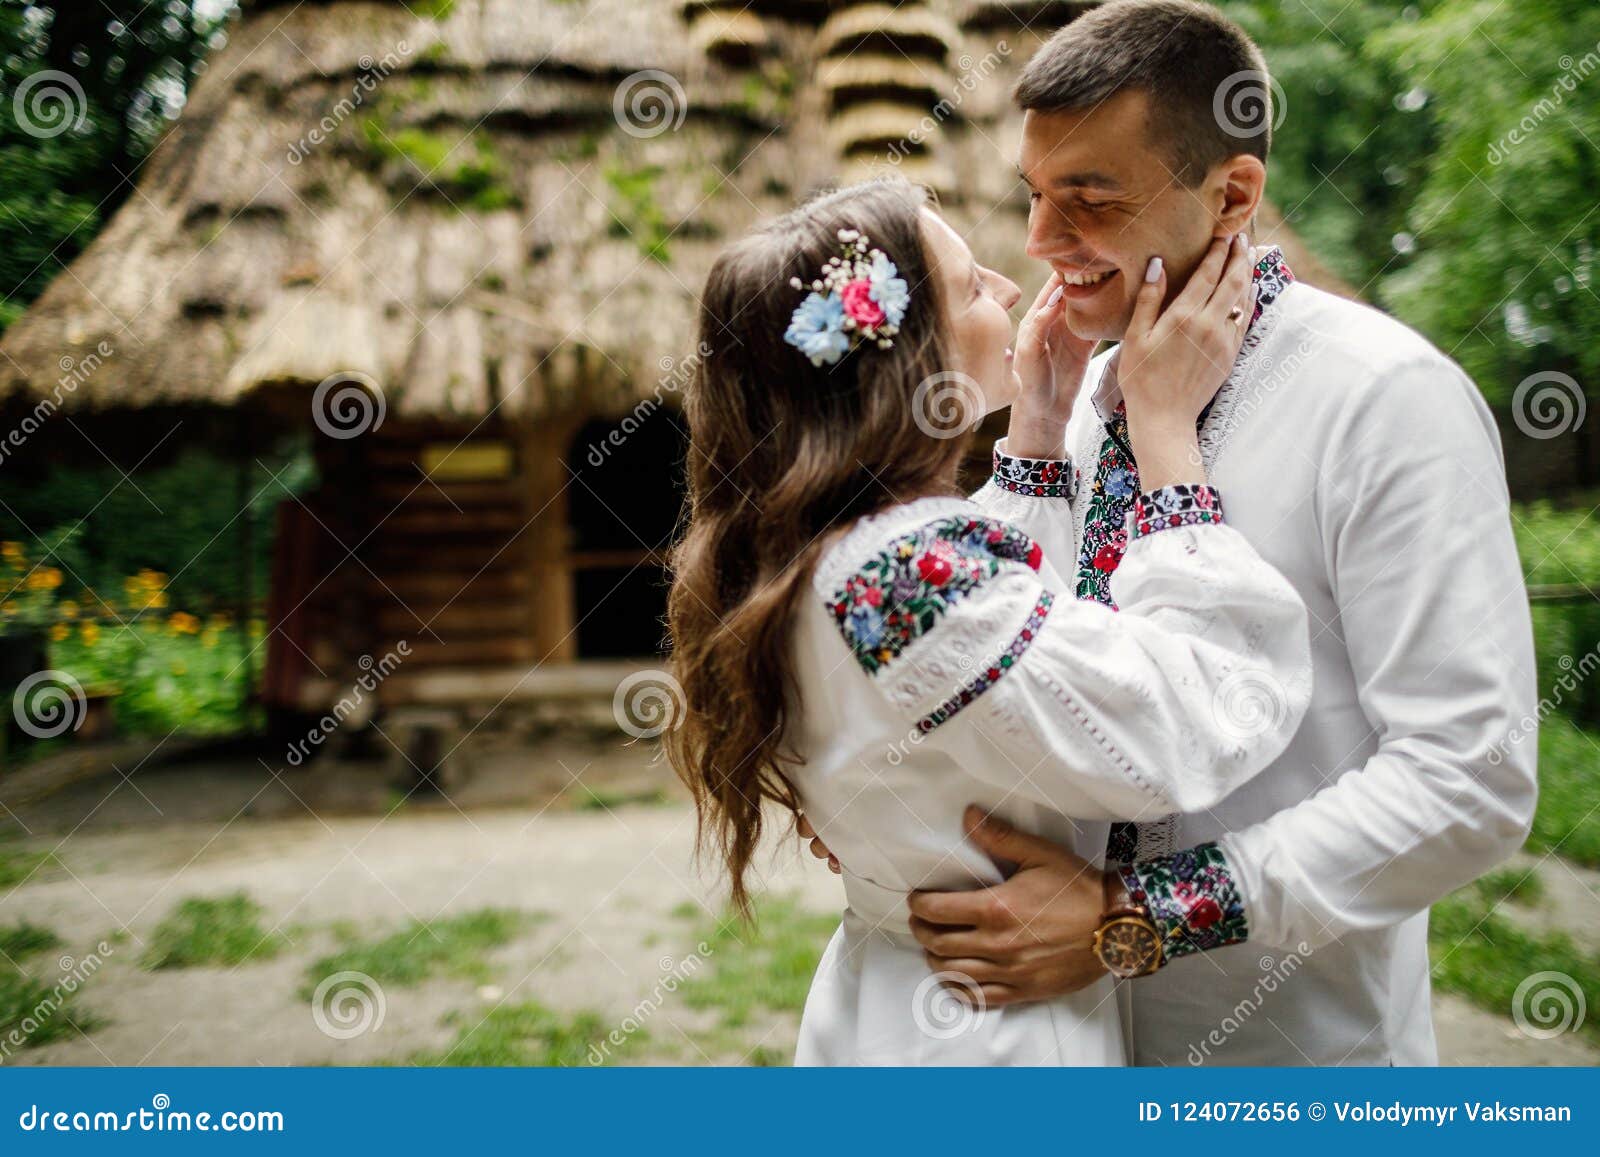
x=944, y=661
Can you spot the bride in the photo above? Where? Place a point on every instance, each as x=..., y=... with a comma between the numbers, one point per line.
x=858, y=642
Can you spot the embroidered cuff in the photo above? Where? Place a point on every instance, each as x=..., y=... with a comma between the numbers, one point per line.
x=1035, y=477
x=1192, y=898
x=1172, y=506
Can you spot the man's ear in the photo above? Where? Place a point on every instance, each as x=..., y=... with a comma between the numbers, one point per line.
x=1238, y=185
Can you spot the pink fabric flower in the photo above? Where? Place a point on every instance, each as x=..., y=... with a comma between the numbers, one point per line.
x=858, y=304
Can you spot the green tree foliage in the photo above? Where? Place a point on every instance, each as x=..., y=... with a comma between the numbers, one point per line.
x=1507, y=215
x=86, y=89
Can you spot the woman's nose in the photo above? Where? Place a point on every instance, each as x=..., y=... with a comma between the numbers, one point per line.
x=1010, y=292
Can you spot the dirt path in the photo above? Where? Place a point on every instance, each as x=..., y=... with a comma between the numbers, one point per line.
x=622, y=908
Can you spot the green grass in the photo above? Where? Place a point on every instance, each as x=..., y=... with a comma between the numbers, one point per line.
x=765, y=967
x=588, y=799
x=1568, y=819
x=1559, y=543
x=446, y=947
x=20, y=941
x=17, y=867
x=1481, y=955
x=222, y=930
x=36, y=1012
x=527, y=1034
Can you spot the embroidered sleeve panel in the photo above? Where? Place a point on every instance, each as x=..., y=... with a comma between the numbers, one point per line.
x=938, y=614
x=1169, y=507
x=1193, y=899
x=1034, y=477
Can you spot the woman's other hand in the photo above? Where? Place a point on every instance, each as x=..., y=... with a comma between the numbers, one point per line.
x=1173, y=360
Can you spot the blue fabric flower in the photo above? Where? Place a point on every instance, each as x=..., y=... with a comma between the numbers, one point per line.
x=889, y=289
x=1119, y=483
x=817, y=329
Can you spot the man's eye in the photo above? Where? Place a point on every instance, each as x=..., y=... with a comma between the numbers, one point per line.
x=1095, y=206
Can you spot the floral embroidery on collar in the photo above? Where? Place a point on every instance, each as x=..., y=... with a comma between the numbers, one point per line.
x=899, y=594
x=1116, y=479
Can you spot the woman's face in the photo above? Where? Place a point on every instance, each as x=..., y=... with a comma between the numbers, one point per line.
x=977, y=324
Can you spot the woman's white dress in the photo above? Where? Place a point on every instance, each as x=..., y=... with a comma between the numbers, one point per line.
x=943, y=661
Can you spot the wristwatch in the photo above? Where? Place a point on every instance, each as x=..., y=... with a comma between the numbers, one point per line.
x=1127, y=942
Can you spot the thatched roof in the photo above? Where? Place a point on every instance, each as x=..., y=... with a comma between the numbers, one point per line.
x=510, y=202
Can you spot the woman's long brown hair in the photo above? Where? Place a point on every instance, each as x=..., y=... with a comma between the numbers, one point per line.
x=782, y=452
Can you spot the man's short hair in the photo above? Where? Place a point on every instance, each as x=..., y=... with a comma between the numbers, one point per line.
x=1207, y=80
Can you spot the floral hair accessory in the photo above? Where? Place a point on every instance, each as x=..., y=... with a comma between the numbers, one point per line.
x=860, y=297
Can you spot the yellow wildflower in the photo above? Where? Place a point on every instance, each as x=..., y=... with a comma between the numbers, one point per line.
x=68, y=609
x=90, y=632
x=59, y=633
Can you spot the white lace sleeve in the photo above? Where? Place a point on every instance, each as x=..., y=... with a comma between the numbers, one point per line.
x=1168, y=705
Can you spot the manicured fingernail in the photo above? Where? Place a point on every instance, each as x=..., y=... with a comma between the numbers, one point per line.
x=1152, y=272
x=1056, y=296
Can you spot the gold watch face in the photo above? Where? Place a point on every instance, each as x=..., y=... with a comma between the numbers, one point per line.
x=1128, y=946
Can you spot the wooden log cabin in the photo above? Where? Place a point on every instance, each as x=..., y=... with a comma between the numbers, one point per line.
x=461, y=249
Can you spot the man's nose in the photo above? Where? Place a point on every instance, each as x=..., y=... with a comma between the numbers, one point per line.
x=1049, y=232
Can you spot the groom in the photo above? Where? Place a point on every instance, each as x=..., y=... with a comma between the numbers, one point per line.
x=1362, y=463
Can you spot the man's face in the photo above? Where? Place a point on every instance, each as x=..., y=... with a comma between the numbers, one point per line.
x=1103, y=201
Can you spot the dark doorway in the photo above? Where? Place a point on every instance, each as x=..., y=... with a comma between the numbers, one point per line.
x=623, y=502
